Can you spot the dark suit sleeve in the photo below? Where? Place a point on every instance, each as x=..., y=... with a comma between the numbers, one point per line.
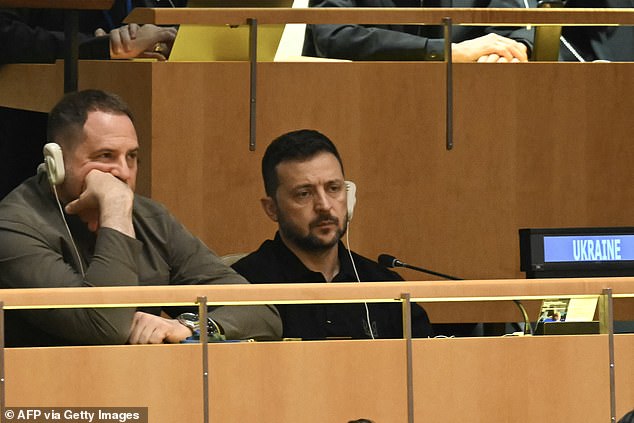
x=193, y=263
x=360, y=42
x=390, y=42
x=29, y=260
x=23, y=43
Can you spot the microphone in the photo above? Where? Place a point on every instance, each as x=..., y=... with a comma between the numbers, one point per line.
x=391, y=261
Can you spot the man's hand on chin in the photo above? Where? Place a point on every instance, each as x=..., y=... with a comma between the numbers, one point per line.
x=106, y=202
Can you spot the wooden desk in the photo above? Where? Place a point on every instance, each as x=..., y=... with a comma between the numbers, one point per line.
x=532, y=379
x=384, y=15
x=59, y=4
x=446, y=302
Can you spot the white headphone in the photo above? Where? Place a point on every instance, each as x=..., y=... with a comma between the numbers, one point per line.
x=54, y=167
x=351, y=195
x=54, y=163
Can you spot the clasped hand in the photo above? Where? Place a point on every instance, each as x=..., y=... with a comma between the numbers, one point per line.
x=134, y=40
x=490, y=48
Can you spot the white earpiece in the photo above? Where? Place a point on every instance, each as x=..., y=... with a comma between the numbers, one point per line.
x=54, y=166
x=54, y=163
x=351, y=195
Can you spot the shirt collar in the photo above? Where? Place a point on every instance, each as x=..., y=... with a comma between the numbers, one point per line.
x=294, y=269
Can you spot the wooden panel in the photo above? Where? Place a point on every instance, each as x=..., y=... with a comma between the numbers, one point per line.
x=58, y=4
x=313, y=381
x=434, y=296
x=31, y=87
x=166, y=379
x=536, y=145
x=384, y=15
x=516, y=163
x=624, y=373
x=494, y=290
x=316, y=380
x=528, y=379
x=505, y=311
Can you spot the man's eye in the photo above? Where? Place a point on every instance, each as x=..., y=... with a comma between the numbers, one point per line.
x=302, y=194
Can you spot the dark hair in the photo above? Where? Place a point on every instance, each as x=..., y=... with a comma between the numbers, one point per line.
x=628, y=418
x=298, y=145
x=66, y=120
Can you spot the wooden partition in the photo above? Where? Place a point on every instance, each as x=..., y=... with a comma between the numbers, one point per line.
x=446, y=302
x=536, y=144
x=491, y=16
x=532, y=380
x=488, y=379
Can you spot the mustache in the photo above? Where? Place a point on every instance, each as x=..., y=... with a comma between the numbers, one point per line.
x=324, y=219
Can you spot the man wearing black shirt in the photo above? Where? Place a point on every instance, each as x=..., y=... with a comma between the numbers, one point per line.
x=307, y=197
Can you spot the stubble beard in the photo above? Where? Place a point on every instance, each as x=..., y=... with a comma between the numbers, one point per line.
x=311, y=242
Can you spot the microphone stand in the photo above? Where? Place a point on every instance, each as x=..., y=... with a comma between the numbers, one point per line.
x=528, y=329
x=420, y=269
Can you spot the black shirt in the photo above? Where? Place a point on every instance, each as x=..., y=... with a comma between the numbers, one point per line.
x=273, y=262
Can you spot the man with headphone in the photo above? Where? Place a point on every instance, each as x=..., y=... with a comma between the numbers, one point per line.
x=78, y=223
x=312, y=204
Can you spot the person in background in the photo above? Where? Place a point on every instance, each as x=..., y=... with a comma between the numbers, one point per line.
x=416, y=42
x=628, y=418
x=37, y=36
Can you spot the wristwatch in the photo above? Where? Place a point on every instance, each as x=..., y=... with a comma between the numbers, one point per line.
x=192, y=321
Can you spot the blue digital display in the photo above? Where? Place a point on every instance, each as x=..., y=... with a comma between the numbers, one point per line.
x=583, y=248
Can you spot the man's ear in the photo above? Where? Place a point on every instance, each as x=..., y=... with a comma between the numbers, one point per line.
x=270, y=208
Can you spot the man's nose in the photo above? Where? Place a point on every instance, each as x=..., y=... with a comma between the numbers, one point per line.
x=322, y=200
x=121, y=170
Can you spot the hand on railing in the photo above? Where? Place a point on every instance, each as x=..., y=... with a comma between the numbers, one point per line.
x=489, y=48
x=146, y=41
x=151, y=329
